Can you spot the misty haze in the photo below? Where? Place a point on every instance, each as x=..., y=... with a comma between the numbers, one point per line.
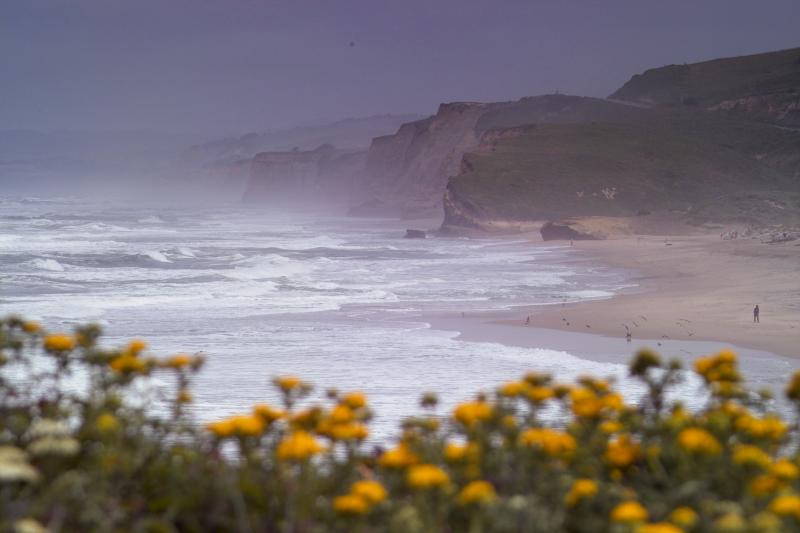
x=515, y=266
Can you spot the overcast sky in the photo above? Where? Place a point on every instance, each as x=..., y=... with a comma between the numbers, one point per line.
x=227, y=66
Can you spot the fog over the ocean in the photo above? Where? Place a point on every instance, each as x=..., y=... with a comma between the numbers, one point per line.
x=215, y=67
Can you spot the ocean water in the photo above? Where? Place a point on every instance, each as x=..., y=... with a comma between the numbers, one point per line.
x=340, y=302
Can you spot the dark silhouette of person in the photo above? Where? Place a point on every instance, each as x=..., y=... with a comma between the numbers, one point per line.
x=756, y=313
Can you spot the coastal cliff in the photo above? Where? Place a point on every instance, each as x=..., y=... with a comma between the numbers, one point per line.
x=322, y=175
x=713, y=142
x=406, y=172
x=710, y=169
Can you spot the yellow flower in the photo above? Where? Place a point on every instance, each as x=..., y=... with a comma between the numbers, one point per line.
x=718, y=368
x=106, y=423
x=748, y=455
x=222, y=428
x=622, y=451
x=539, y=394
x=659, y=527
x=554, y=443
x=426, y=477
x=684, y=516
x=298, y=446
x=399, y=457
x=178, y=361
x=470, y=413
x=699, y=441
x=267, y=413
x=371, y=491
x=350, y=431
x=341, y=414
x=125, y=364
x=350, y=505
x=629, y=512
x=59, y=342
x=786, y=505
x=585, y=403
x=784, y=470
x=613, y=401
x=512, y=389
x=456, y=453
x=610, y=426
x=31, y=327
x=763, y=485
x=355, y=400
x=288, y=383
x=477, y=492
x=136, y=346
x=770, y=427
x=581, y=489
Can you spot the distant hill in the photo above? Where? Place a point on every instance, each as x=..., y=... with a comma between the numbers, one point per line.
x=761, y=86
x=347, y=134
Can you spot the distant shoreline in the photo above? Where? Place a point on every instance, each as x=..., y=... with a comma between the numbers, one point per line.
x=694, y=294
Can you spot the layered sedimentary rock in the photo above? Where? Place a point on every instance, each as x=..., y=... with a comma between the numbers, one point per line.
x=324, y=175
x=406, y=172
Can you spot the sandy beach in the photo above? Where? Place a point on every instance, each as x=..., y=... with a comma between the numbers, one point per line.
x=691, y=295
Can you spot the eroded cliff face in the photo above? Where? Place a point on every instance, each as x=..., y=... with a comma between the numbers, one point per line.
x=406, y=173
x=324, y=175
x=663, y=165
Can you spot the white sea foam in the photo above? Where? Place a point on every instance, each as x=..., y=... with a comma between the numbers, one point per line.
x=334, y=300
x=589, y=293
x=47, y=264
x=268, y=267
x=156, y=255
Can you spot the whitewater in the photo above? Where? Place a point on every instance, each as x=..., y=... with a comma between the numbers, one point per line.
x=340, y=302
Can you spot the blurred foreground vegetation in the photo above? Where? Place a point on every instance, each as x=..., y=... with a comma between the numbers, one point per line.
x=94, y=457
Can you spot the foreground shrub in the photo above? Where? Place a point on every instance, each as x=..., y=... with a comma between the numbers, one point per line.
x=83, y=447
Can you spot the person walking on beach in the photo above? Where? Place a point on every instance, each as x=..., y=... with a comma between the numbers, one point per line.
x=756, y=313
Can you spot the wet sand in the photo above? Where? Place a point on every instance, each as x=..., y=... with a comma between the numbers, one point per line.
x=692, y=295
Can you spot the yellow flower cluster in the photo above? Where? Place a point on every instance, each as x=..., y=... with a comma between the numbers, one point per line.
x=398, y=458
x=298, y=446
x=718, y=368
x=553, y=442
x=471, y=413
x=363, y=496
x=59, y=342
x=426, y=476
x=622, y=451
x=699, y=441
x=658, y=467
x=477, y=493
x=582, y=489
